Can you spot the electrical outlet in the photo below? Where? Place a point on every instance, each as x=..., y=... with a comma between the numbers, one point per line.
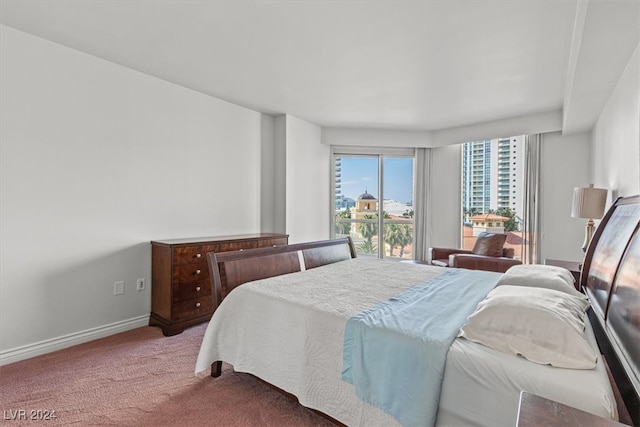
x=140, y=284
x=118, y=288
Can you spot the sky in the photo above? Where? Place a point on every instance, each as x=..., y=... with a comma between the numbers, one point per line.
x=360, y=173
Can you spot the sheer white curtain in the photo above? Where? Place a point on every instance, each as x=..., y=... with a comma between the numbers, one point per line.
x=531, y=214
x=422, y=204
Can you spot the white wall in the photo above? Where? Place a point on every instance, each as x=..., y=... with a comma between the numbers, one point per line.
x=307, y=182
x=280, y=174
x=564, y=165
x=269, y=217
x=446, y=200
x=522, y=125
x=375, y=137
x=96, y=161
x=616, y=136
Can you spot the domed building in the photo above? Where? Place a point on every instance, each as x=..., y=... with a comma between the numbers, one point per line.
x=366, y=204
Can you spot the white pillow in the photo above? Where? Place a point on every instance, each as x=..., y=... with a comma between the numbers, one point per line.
x=542, y=325
x=540, y=276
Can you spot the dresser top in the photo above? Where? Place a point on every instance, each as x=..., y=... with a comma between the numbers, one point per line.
x=192, y=240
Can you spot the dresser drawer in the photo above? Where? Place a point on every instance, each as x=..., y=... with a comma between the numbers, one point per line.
x=272, y=242
x=191, y=254
x=192, y=308
x=185, y=291
x=236, y=246
x=187, y=273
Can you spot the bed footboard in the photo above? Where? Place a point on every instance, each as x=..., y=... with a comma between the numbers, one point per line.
x=243, y=266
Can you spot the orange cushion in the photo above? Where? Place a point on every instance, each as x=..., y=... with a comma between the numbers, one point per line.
x=489, y=244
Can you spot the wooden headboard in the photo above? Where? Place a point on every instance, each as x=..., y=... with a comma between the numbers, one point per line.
x=231, y=269
x=611, y=279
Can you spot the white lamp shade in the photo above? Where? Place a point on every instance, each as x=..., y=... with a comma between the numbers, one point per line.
x=588, y=202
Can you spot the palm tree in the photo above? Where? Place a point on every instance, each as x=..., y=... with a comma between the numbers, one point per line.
x=368, y=230
x=392, y=236
x=343, y=227
x=405, y=237
x=512, y=223
x=367, y=247
x=469, y=212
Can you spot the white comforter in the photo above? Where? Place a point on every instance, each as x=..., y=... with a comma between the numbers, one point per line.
x=288, y=330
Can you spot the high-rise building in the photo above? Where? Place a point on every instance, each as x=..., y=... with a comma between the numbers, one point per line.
x=476, y=176
x=338, y=185
x=492, y=175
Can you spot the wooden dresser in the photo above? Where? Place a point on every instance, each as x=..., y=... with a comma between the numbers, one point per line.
x=180, y=281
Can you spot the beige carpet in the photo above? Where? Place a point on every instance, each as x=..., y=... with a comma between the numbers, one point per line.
x=141, y=378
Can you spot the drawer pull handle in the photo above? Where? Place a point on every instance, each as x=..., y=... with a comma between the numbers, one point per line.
x=198, y=271
x=197, y=305
x=274, y=246
x=197, y=288
x=198, y=255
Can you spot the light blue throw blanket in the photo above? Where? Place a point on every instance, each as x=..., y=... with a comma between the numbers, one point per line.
x=395, y=352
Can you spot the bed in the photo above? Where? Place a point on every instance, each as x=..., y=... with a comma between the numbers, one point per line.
x=290, y=315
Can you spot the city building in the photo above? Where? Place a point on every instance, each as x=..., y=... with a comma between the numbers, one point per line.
x=492, y=175
x=488, y=222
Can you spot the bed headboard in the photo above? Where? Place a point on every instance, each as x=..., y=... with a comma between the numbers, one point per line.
x=231, y=269
x=611, y=279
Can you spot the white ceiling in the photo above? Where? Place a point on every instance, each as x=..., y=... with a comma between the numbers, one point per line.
x=409, y=65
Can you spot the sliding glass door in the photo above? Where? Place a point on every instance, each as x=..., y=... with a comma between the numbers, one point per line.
x=373, y=201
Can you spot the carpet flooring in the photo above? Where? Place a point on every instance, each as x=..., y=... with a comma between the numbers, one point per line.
x=141, y=378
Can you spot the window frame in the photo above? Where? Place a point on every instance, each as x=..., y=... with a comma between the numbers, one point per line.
x=492, y=179
x=380, y=153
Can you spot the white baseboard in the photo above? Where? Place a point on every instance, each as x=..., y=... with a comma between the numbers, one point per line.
x=53, y=344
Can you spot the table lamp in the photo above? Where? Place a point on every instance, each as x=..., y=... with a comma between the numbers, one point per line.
x=588, y=202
